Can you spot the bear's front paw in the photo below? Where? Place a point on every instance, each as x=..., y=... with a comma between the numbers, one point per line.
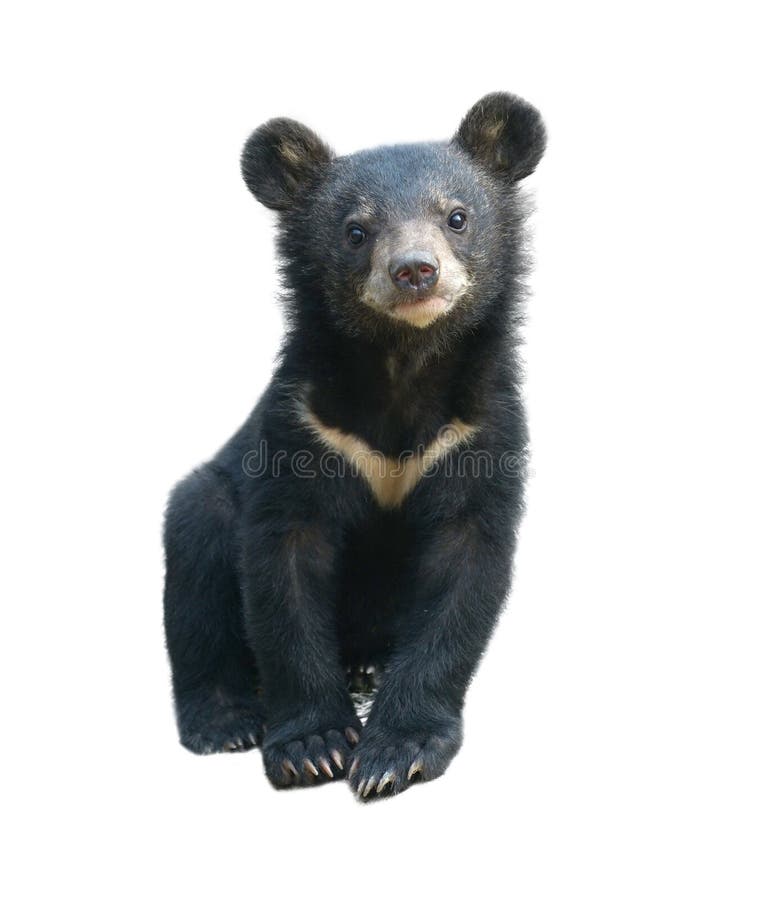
x=311, y=758
x=389, y=760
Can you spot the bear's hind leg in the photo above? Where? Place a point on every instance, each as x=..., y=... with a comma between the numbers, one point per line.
x=214, y=675
x=214, y=721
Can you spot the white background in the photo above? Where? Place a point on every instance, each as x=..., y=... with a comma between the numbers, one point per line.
x=620, y=734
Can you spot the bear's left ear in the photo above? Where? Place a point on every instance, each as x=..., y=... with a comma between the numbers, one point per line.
x=504, y=134
x=280, y=159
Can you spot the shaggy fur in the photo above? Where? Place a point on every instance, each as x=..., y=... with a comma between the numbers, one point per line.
x=286, y=564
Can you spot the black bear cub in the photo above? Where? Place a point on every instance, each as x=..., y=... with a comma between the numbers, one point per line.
x=360, y=526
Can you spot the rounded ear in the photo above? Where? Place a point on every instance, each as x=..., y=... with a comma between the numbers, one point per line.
x=504, y=134
x=280, y=159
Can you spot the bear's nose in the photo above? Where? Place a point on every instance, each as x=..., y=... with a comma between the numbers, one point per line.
x=415, y=271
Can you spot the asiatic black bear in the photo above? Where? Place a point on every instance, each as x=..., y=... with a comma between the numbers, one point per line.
x=363, y=519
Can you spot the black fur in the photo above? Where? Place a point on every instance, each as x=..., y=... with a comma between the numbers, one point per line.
x=277, y=580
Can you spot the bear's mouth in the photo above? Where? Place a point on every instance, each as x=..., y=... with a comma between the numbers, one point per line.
x=420, y=311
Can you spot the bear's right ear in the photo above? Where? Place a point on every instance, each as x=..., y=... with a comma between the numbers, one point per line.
x=280, y=159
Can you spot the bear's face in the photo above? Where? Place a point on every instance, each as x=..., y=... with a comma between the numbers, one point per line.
x=406, y=233
x=399, y=238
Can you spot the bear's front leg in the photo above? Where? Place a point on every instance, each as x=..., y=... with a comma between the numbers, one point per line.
x=288, y=589
x=414, y=729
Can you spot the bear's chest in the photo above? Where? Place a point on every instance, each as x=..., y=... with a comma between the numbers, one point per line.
x=391, y=479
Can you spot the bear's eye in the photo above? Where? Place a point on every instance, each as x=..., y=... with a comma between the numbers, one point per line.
x=457, y=220
x=356, y=235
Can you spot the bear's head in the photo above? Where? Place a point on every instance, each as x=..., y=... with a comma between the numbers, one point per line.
x=396, y=241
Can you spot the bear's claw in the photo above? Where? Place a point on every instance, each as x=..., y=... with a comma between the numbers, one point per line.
x=415, y=769
x=388, y=778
